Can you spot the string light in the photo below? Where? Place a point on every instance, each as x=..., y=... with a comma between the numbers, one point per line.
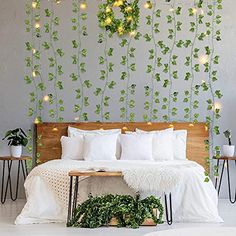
x=37, y=25
x=46, y=98
x=191, y=125
x=203, y=81
x=55, y=129
x=203, y=59
x=77, y=118
x=83, y=6
x=58, y=1
x=34, y=74
x=33, y=50
x=149, y=123
x=34, y=4
x=171, y=9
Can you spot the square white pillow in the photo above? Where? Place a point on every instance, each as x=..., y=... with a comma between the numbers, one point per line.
x=72, y=132
x=136, y=147
x=72, y=148
x=100, y=147
x=180, y=144
x=162, y=146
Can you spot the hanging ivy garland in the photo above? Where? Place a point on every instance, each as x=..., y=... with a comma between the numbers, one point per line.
x=108, y=20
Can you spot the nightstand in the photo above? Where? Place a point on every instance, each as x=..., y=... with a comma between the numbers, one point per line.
x=225, y=164
x=7, y=164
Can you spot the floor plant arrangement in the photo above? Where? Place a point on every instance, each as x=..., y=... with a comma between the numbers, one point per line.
x=128, y=211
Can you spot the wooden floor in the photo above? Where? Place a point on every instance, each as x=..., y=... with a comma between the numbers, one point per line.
x=10, y=210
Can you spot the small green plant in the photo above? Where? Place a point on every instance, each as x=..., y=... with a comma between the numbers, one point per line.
x=16, y=137
x=227, y=134
x=128, y=211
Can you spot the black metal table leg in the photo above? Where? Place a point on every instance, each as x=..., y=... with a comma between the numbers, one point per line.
x=21, y=166
x=229, y=185
x=216, y=181
x=168, y=208
x=221, y=176
x=8, y=183
x=69, y=216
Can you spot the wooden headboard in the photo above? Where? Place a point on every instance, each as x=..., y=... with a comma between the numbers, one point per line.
x=49, y=148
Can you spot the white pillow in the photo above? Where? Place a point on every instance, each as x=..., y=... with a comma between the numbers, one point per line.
x=136, y=147
x=72, y=132
x=100, y=147
x=179, y=144
x=72, y=148
x=162, y=147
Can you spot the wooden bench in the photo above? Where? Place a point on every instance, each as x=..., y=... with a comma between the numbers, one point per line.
x=74, y=189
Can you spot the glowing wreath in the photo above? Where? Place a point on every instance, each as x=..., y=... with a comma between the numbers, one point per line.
x=128, y=24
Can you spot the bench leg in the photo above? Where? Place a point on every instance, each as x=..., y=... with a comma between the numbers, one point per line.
x=70, y=200
x=168, y=208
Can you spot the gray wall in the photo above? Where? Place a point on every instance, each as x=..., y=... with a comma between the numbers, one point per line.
x=14, y=93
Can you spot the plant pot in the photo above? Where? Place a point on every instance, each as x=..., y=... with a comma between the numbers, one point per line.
x=228, y=151
x=16, y=151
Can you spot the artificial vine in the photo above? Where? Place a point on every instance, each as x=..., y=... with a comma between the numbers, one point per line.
x=128, y=93
x=79, y=26
x=104, y=76
x=108, y=21
x=152, y=69
x=128, y=211
x=56, y=72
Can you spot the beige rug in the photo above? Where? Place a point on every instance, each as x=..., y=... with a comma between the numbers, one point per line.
x=201, y=231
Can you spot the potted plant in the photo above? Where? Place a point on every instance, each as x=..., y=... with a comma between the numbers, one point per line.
x=228, y=150
x=16, y=140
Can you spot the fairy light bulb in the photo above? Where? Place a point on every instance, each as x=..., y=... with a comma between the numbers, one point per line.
x=108, y=9
x=119, y=3
x=34, y=74
x=108, y=21
x=129, y=18
x=46, y=98
x=34, y=4
x=128, y=9
x=203, y=59
x=58, y=1
x=171, y=9
x=77, y=118
x=36, y=120
x=83, y=6
x=203, y=81
x=217, y=106
x=132, y=33
x=37, y=25
x=194, y=10
x=33, y=50
x=147, y=5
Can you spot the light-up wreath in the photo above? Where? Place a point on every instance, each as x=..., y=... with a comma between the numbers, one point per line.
x=128, y=24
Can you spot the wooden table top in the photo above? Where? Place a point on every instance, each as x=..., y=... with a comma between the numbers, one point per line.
x=9, y=158
x=96, y=173
x=225, y=158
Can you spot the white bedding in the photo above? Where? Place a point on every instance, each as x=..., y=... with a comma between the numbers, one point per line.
x=47, y=189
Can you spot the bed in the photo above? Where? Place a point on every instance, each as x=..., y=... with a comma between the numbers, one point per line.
x=46, y=186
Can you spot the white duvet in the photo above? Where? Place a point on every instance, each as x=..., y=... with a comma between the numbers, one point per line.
x=47, y=188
